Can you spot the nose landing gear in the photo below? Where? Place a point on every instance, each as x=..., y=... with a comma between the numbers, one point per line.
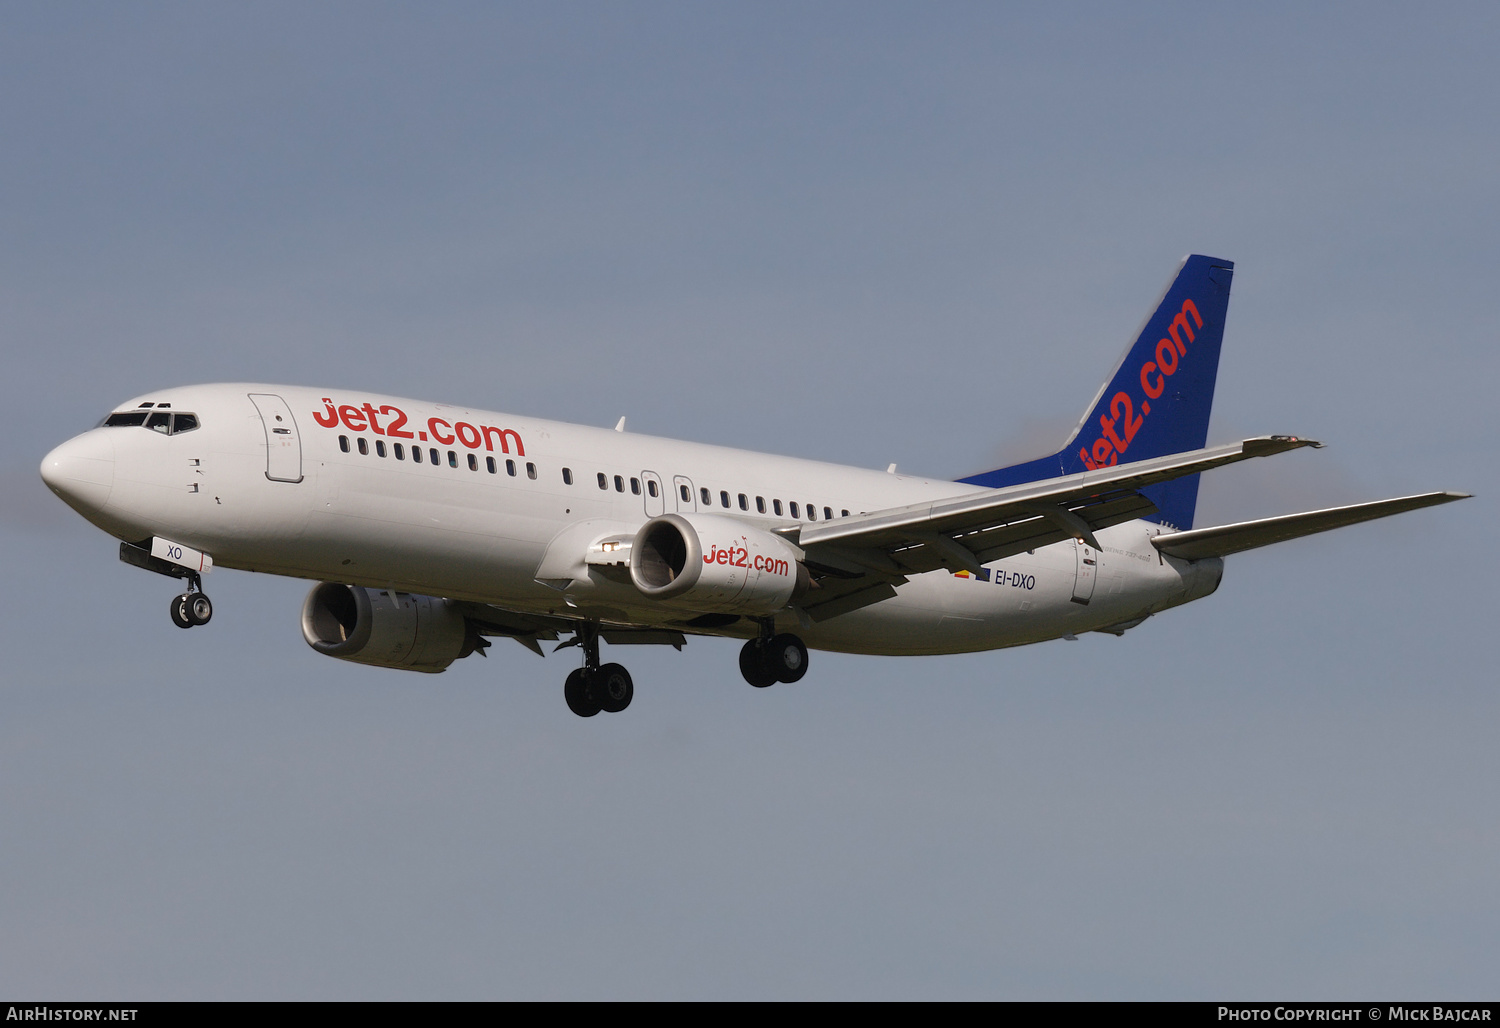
x=192, y=607
x=595, y=687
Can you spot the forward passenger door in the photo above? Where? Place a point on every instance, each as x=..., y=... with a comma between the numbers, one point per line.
x=283, y=444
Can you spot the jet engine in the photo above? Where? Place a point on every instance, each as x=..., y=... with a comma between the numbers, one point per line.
x=711, y=563
x=387, y=629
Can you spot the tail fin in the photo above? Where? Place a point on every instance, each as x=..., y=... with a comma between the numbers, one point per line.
x=1158, y=399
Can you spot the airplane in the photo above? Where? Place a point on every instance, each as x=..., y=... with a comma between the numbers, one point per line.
x=431, y=528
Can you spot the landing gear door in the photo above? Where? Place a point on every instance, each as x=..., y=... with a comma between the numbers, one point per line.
x=283, y=445
x=656, y=498
x=682, y=489
x=1088, y=572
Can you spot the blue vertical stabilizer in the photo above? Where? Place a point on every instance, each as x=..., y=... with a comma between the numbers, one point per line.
x=1157, y=401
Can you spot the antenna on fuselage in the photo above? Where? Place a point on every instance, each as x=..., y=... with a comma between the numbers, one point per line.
x=620, y=425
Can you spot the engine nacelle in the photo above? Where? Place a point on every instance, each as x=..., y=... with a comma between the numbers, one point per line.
x=711, y=563
x=370, y=626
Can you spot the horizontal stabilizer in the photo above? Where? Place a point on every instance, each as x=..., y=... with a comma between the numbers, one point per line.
x=1247, y=535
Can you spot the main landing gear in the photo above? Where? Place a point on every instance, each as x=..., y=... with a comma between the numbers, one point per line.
x=595, y=687
x=192, y=607
x=773, y=658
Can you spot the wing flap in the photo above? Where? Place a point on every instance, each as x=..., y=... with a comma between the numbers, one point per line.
x=1223, y=540
x=1007, y=541
x=850, y=601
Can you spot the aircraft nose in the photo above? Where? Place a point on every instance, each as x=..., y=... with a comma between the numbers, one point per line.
x=82, y=471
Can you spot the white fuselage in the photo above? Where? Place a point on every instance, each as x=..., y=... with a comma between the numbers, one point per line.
x=458, y=529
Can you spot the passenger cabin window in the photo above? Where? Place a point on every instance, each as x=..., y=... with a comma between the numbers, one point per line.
x=619, y=484
x=432, y=455
x=744, y=502
x=760, y=504
x=380, y=447
x=344, y=443
x=416, y=454
x=635, y=486
x=473, y=462
x=531, y=471
x=776, y=506
x=812, y=513
x=724, y=497
x=827, y=514
x=707, y=501
x=793, y=506
x=489, y=464
x=452, y=459
x=687, y=497
x=603, y=480
x=651, y=486
x=510, y=468
x=567, y=476
x=399, y=450
x=843, y=513
x=364, y=447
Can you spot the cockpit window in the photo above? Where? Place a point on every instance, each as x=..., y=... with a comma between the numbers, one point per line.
x=159, y=421
x=130, y=417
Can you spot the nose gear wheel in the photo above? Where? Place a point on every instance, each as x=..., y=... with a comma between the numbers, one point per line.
x=191, y=609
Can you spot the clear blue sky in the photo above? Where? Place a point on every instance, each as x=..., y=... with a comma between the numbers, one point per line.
x=859, y=232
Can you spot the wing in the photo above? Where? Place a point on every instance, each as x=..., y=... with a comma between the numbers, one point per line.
x=1247, y=535
x=859, y=560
